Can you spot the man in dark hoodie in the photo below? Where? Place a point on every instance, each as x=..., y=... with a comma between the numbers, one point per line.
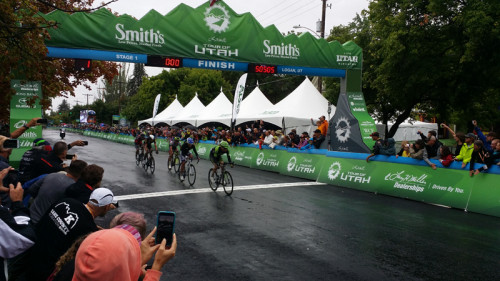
x=91, y=179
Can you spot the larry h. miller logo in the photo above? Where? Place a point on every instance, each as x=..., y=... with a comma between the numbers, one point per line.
x=217, y=18
x=342, y=129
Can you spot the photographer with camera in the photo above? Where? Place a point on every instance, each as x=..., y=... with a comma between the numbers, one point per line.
x=53, y=162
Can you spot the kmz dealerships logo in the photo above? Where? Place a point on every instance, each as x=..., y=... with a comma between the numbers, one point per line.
x=334, y=170
x=217, y=18
x=342, y=129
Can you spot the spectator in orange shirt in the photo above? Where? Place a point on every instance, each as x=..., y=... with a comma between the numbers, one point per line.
x=322, y=125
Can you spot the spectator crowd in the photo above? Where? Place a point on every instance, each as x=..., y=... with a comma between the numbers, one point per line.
x=47, y=221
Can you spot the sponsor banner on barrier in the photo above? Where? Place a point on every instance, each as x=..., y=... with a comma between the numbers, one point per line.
x=301, y=165
x=268, y=160
x=449, y=187
x=243, y=156
x=203, y=150
x=21, y=112
x=443, y=186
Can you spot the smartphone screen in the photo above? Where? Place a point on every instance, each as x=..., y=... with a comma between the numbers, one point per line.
x=41, y=121
x=165, y=227
x=11, y=143
x=70, y=156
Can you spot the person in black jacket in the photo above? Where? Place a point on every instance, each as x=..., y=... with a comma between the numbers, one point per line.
x=16, y=234
x=90, y=179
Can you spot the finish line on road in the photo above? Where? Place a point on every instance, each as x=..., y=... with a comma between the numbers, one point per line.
x=204, y=190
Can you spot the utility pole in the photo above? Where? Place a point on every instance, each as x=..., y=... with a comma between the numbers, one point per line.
x=87, y=99
x=322, y=33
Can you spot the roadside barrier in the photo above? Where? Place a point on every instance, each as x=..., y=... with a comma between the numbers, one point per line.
x=388, y=175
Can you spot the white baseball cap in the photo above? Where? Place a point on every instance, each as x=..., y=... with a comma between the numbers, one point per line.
x=101, y=197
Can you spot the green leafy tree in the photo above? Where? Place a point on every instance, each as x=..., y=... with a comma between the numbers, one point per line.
x=135, y=82
x=433, y=54
x=23, y=52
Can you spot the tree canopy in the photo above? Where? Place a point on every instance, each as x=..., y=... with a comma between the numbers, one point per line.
x=23, y=51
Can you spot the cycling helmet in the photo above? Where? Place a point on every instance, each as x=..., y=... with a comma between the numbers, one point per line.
x=224, y=144
x=177, y=139
x=152, y=137
x=190, y=140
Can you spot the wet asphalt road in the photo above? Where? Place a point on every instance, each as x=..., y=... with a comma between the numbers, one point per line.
x=317, y=232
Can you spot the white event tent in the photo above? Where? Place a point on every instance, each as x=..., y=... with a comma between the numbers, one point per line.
x=295, y=110
x=253, y=103
x=219, y=110
x=167, y=114
x=190, y=112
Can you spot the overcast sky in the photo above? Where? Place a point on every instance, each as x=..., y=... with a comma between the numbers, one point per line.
x=284, y=14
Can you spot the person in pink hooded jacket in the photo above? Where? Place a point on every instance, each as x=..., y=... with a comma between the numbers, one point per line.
x=115, y=255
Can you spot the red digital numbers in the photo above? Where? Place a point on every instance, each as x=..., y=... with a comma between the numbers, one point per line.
x=172, y=62
x=161, y=61
x=262, y=68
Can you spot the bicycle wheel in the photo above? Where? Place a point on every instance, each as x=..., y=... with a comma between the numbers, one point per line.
x=191, y=174
x=227, y=183
x=138, y=159
x=169, y=164
x=152, y=165
x=176, y=164
x=211, y=180
x=144, y=161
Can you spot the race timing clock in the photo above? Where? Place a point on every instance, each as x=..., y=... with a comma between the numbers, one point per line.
x=161, y=61
x=262, y=68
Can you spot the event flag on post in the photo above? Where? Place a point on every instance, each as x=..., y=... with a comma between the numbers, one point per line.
x=155, y=108
x=238, y=97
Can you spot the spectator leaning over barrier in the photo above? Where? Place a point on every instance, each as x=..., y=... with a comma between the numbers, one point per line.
x=62, y=224
x=381, y=146
x=432, y=146
x=322, y=125
x=52, y=163
x=317, y=139
x=496, y=144
x=405, y=149
x=481, y=155
x=52, y=188
x=418, y=151
x=446, y=158
x=40, y=148
x=16, y=235
x=466, y=150
x=459, y=138
x=485, y=139
x=89, y=181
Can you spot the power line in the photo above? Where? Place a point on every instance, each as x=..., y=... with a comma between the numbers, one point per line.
x=272, y=8
x=292, y=14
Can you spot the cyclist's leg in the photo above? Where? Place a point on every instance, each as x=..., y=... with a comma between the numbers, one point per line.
x=182, y=158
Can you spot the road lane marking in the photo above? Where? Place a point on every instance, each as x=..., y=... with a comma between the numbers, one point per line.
x=205, y=190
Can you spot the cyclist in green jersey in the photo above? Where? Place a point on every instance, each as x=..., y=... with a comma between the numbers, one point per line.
x=216, y=155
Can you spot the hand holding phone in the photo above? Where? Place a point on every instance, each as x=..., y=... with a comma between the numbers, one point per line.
x=70, y=156
x=11, y=143
x=41, y=121
x=165, y=227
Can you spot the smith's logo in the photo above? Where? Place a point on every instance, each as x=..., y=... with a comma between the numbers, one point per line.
x=281, y=51
x=140, y=37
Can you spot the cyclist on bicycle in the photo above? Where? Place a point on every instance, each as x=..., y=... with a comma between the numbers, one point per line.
x=172, y=148
x=138, y=142
x=216, y=156
x=185, y=153
x=148, y=145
